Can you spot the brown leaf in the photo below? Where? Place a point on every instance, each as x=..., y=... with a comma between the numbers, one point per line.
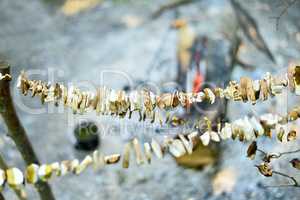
x=265, y=169
x=252, y=150
x=296, y=163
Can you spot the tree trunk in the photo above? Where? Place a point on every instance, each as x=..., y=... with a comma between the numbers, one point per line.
x=17, y=132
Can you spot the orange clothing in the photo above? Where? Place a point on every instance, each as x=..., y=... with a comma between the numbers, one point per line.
x=197, y=83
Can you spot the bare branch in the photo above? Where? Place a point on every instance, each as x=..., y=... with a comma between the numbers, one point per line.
x=288, y=4
x=17, y=132
x=170, y=6
x=289, y=177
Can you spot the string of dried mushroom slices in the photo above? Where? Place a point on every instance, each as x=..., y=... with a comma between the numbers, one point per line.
x=107, y=101
x=245, y=129
x=15, y=178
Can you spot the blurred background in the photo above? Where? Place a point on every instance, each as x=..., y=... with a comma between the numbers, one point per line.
x=124, y=44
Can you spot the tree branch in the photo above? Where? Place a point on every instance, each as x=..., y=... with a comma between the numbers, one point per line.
x=17, y=132
x=284, y=11
x=289, y=177
x=170, y=6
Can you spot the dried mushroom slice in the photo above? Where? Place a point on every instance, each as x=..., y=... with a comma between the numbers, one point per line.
x=14, y=177
x=226, y=131
x=156, y=148
x=296, y=78
x=148, y=153
x=280, y=134
x=292, y=135
x=264, y=91
x=295, y=163
x=112, y=159
x=176, y=148
x=188, y=146
x=32, y=173
x=45, y=172
x=126, y=155
x=243, y=88
x=256, y=88
x=175, y=100
x=138, y=151
x=250, y=91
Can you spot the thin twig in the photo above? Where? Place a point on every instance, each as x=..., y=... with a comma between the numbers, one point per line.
x=295, y=183
x=287, y=176
x=275, y=186
x=284, y=11
x=261, y=151
x=278, y=155
x=17, y=132
x=289, y=152
x=170, y=6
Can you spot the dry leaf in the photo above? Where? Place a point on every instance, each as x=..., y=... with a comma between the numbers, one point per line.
x=243, y=87
x=188, y=145
x=263, y=90
x=290, y=75
x=251, y=152
x=209, y=95
x=296, y=163
x=138, y=151
x=156, y=149
x=148, y=153
x=265, y=169
x=205, y=138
